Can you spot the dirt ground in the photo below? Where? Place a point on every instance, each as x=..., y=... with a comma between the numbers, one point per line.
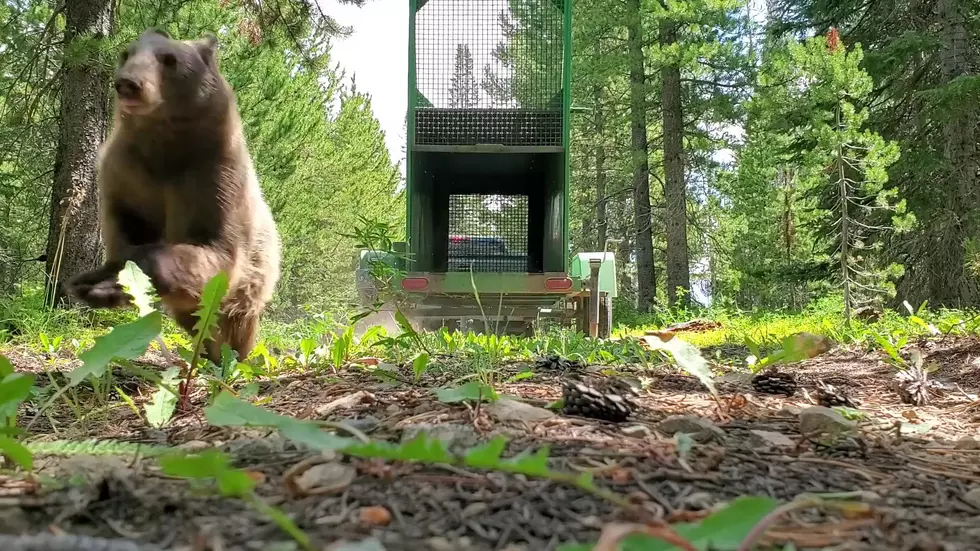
x=919, y=467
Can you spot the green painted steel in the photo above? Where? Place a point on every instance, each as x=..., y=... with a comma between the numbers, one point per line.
x=510, y=139
x=580, y=271
x=410, y=123
x=567, y=138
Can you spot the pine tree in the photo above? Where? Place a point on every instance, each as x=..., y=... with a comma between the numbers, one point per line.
x=463, y=92
x=74, y=243
x=812, y=123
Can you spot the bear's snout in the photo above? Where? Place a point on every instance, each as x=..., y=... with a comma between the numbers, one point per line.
x=128, y=87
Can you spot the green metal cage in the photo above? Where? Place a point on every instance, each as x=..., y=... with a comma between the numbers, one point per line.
x=488, y=135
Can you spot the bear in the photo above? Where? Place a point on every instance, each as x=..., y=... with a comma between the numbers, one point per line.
x=179, y=194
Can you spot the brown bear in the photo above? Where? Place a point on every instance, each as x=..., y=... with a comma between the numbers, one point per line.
x=178, y=193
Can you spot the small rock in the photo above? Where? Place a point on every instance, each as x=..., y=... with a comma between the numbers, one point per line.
x=736, y=377
x=506, y=409
x=968, y=443
x=325, y=478
x=374, y=516
x=194, y=445
x=701, y=430
x=767, y=439
x=344, y=402
x=638, y=430
x=823, y=420
x=473, y=509
x=973, y=497
x=789, y=411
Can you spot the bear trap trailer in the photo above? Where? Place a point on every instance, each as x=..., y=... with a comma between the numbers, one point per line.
x=487, y=172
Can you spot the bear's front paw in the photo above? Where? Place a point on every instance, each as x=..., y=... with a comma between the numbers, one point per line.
x=107, y=293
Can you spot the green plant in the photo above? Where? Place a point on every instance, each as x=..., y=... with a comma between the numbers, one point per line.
x=14, y=389
x=213, y=467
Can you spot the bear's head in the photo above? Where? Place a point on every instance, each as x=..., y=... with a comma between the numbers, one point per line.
x=160, y=76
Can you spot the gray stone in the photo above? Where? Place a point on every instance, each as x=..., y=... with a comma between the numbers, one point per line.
x=326, y=477
x=823, y=420
x=789, y=411
x=768, y=439
x=506, y=409
x=968, y=443
x=700, y=430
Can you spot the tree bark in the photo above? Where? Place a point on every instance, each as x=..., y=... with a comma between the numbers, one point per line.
x=643, y=232
x=953, y=286
x=74, y=240
x=675, y=187
x=601, y=224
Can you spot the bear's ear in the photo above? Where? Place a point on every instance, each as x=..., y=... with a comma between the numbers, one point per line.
x=207, y=48
x=158, y=31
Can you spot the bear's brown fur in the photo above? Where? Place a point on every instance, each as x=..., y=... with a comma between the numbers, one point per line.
x=178, y=192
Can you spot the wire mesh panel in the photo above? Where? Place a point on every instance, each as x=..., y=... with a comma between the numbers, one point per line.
x=488, y=233
x=489, y=71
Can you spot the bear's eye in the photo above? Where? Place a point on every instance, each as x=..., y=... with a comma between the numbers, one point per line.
x=168, y=60
x=124, y=56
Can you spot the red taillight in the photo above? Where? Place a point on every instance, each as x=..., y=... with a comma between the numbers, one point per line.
x=557, y=283
x=415, y=283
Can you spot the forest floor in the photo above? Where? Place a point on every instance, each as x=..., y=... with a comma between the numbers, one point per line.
x=917, y=468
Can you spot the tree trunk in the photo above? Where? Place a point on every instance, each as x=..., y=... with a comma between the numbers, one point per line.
x=74, y=240
x=675, y=188
x=953, y=286
x=645, y=282
x=601, y=224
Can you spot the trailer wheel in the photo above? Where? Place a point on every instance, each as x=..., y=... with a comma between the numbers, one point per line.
x=605, y=317
x=583, y=306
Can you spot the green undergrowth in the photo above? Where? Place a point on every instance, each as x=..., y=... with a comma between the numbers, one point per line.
x=233, y=401
x=824, y=317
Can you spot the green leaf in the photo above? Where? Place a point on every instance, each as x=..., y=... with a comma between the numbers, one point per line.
x=420, y=364
x=473, y=390
x=209, y=464
x=14, y=389
x=251, y=390
x=137, y=284
x=6, y=368
x=486, y=456
x=128, y=341
x=725, y=529
x=210, y=304
x=802, y=346
x=422, y=448
x=285, y=523
x=687, y=356
x=162, y=405
x=520, y=376
x=404, y=323
x=17, y=453
x=228, y=410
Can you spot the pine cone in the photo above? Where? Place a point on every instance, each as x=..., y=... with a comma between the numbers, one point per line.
x=913, y=386
x=773, y=381
x=588, y=401
x=556, y=362
x=830, y=396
